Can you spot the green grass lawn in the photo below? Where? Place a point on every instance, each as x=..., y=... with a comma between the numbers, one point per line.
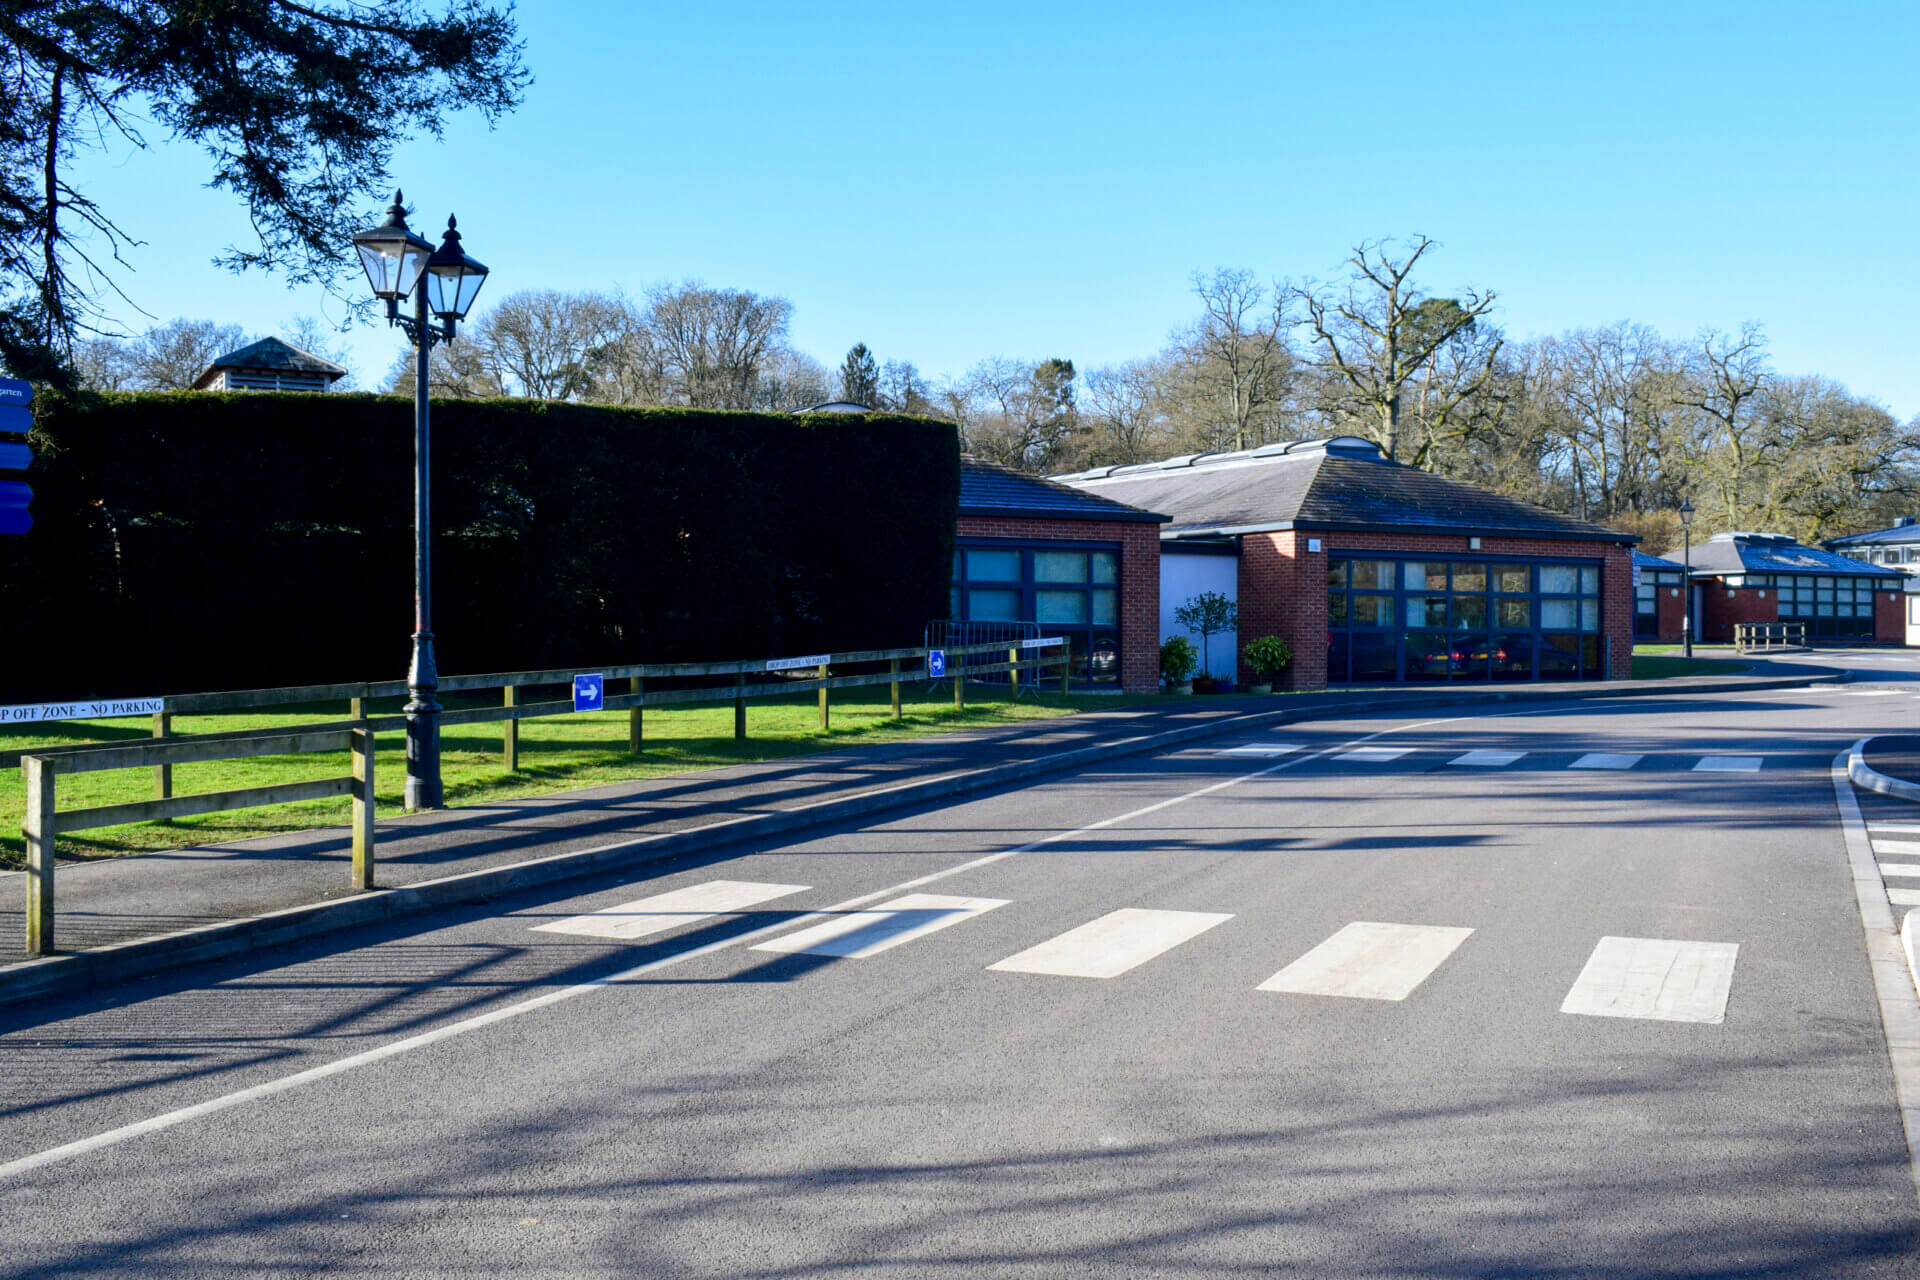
x=1664, y=666
x=557, y=753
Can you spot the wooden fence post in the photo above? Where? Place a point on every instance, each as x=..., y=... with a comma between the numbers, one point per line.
x=893, y=669
x=1066, y=670
x=38, y=827
x=634, y=686
x=824, y=668
x=361, y=876
x=1013, y=673
x=959, y=680
x=510, y=733
x=739, y=708
x=162, y=773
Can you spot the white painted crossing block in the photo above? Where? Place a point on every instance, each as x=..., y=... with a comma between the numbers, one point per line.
x=1892, y=829
x=1728, y=764
x=1113, y=944
x=645, y=916
x=1659, y=978
x=1373, y=755
x=875, y=929
x=1904, y=897
x=1899, y=848
x=1260, y=749
x=1902, y=870
x=1486, y=759
x=1605, y=760
x=1367, y=960
x=1873, y=693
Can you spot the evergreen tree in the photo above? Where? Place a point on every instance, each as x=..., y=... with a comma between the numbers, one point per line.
x=860, y=377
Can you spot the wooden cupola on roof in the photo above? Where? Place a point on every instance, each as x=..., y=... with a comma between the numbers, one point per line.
x=269, y=365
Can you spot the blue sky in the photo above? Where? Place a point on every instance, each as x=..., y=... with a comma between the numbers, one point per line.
x=1039, y=181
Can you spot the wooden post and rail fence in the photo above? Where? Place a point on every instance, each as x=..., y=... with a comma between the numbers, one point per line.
x=1769, y=637
x=43, y=766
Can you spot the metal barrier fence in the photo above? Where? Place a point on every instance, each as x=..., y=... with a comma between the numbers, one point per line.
x=1768, y=637
x=43, y=820
x=43, y=765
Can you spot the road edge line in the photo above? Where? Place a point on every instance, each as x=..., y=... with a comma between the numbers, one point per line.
x=1888, y=957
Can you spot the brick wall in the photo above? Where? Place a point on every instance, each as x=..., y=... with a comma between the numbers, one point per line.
x=1139, y=580
x=1721, y=607
x=1671, y=603
x=1283, y=587
x=1890, y=616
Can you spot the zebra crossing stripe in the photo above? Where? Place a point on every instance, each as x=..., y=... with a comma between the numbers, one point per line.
x=1486, y=759
x=1658, y=978
x=1728, y=764
x=858, y=934
x=1116, y=942
x=1904, y=897
x=1904, y=870
x=669, y=910
x=1368, y=960
x=1373, y=755
x=1260, y=749
x=1605, y=760
x=1909, y=848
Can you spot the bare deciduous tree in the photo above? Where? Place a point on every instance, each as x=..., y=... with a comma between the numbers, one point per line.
x=715, y=342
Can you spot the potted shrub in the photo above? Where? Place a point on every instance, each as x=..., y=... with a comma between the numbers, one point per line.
x=1177, y=660
x=1206, y=615
x=1267, y=657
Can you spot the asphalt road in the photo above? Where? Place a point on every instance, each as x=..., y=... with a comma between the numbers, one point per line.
x=1623, y=1025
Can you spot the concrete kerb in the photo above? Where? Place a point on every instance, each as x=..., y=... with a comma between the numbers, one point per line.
x=122, y=962
x=1866, y=776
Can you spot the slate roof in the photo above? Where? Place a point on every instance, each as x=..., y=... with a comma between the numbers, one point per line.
x=270, y=355
x=1900, y=534
x=1342, y=483
x=1641, y=560
x=989, y=489
x=1774, y=553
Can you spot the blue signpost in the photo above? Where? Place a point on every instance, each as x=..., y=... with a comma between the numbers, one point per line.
x=589, y=693
x=936, y=663
x=15, y=419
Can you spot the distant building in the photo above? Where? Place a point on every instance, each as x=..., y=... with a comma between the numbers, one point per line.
x=1768, y=577
x=1659, y=598
x=269, y=365
x=1898, y=547
x=1374, y=572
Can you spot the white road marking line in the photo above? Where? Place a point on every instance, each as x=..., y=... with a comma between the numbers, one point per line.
x=1605, y=760
x=1487, y=759
x=876, y=929
x=212, y=1106
x=1728, y=764
x=1373, y=755
x=1907, y=848
x=1260, y=749
x=1658, y=978
x=1897, y=828
x=1370, y=961
x=1904, y=897
x=646, y=916
x=1873, y=693
x=1902, y=869
x=1113, y=944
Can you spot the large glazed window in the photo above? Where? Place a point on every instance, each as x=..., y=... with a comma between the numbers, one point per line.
x=1427, y=620
x=1070, y=590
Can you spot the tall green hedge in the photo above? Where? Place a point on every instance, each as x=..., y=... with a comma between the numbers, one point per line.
x=214, y=541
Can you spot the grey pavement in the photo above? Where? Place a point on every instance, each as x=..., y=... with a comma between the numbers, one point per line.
x=106, y=902
x=480, y=1093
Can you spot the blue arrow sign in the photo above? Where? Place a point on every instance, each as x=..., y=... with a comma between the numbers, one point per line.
x=15, y=457
x=14, y=391
x=589, y=693
x=936, y=662
x=15, y=520
x=15, y=419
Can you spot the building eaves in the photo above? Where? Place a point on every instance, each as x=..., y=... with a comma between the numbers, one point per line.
x=988, y=489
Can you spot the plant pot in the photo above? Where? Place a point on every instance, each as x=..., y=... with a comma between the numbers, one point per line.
x=1260, y=688
x=1183, y=687
x=1205, y=684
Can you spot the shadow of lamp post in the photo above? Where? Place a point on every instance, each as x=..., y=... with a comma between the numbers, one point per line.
x=442, y=283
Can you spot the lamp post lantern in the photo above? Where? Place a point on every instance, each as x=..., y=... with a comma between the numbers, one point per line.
x=442, y=283
x=1686, y=583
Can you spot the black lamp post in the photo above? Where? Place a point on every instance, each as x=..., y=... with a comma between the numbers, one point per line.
x=443, y=282
x=1686, y=617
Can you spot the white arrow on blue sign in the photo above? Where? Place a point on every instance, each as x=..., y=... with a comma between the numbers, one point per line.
x=589, y=693
x=14, y=391
x=936, y=662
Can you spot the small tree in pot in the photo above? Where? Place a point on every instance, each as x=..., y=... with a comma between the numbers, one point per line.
x=1176, y=663
x=1206, y=615
x=1268, y=656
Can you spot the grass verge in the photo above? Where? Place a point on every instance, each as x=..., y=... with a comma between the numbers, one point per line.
x=557, y=753
x=1663, y=667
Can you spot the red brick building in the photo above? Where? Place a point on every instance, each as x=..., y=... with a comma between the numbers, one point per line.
x=1768, y=577
x=1374, y=572
x=1076, y=565
x=1659, y=598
